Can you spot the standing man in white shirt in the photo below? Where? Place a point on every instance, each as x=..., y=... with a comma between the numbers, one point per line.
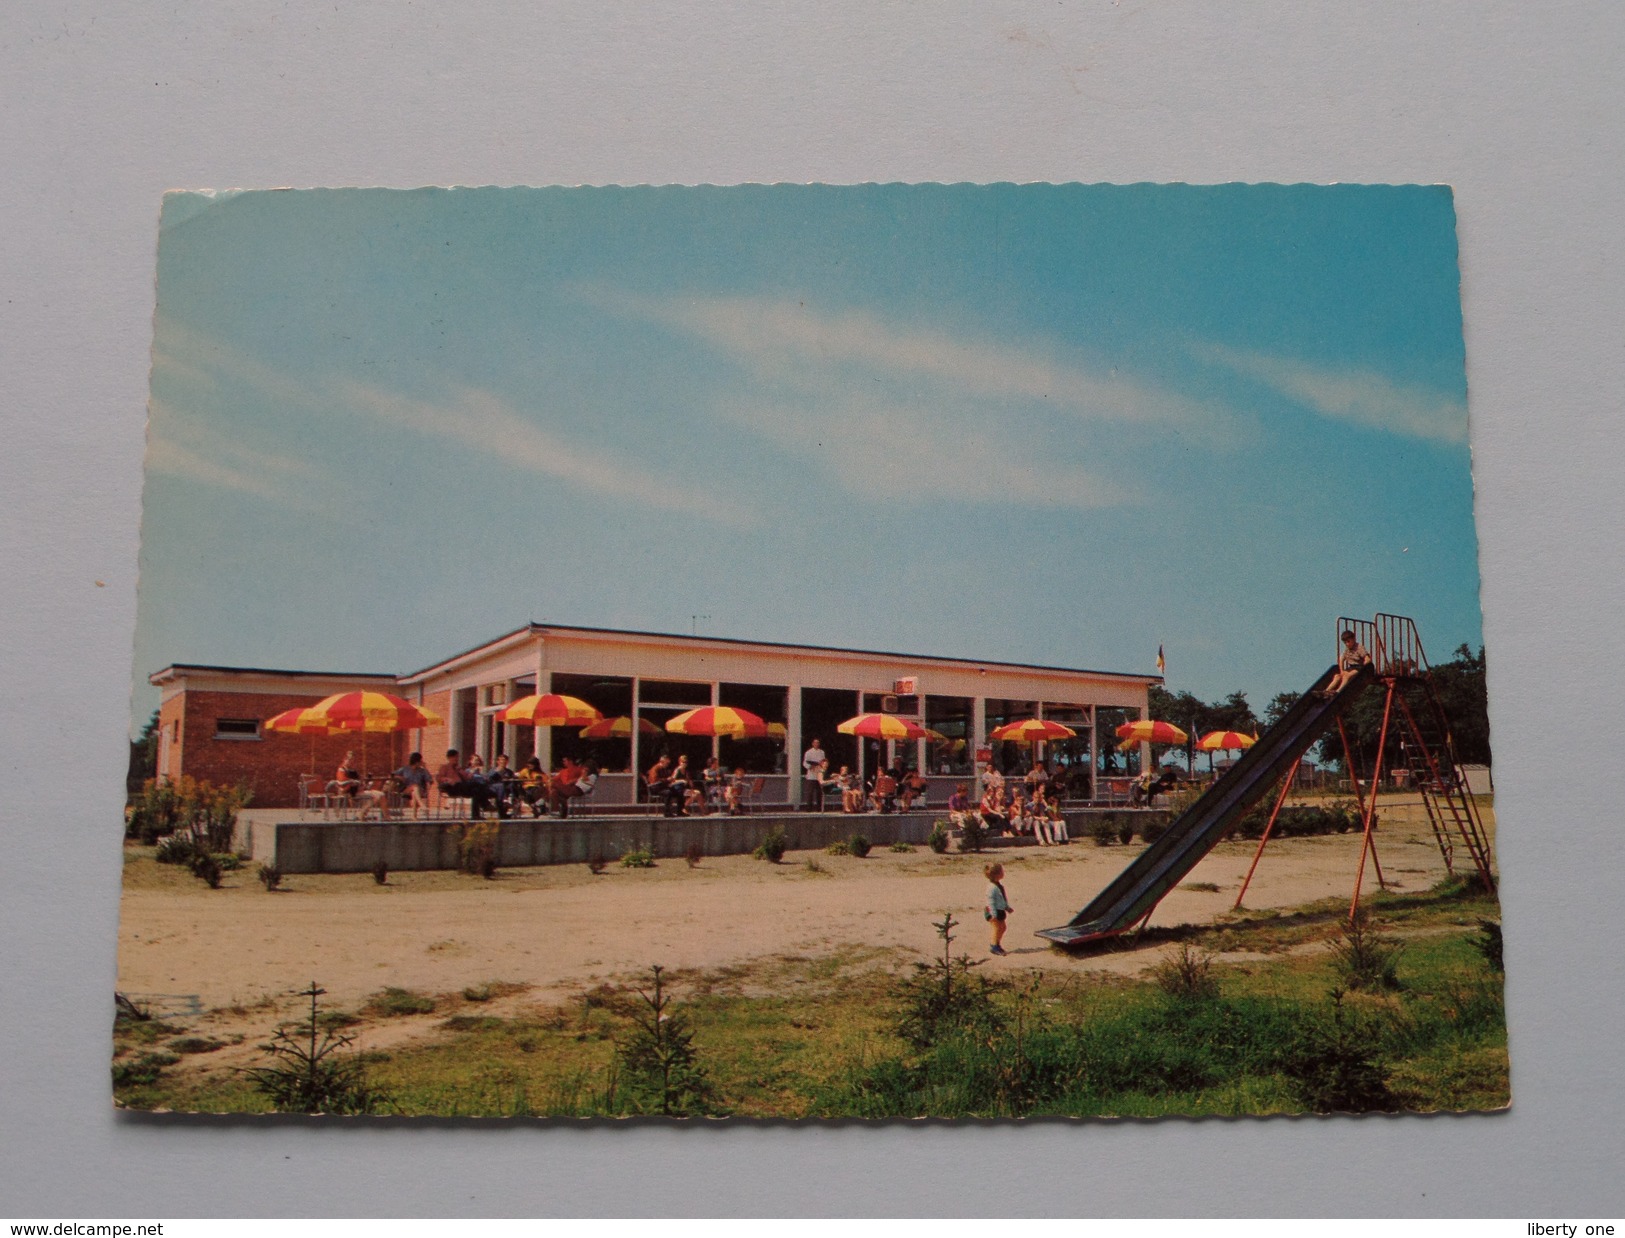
x=812, y=777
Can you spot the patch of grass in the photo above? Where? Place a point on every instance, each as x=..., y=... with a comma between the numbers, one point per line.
x=638, y=857
x=798, y=1036
x=1366, y=958
x=196, y=1044
x=813, y=866
x=838, y=847
x=393, y=1002
x=1187, y=974
x=1201, y=887
x=901, y=848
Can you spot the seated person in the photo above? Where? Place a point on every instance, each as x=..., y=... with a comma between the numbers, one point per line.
x=734, y=794
x=534, y=786
x=454, y=782
x=852, y=796
x=414, y=780
x=1057, y=821
x=912, y=787
x=501, y=780
x=1350, y=662
x=885, y=792
x=658, y=781
x=714, y=780
x=573, y=783
x=682, y=790
x=959, y=805
x=991, y=811
x=347, y=783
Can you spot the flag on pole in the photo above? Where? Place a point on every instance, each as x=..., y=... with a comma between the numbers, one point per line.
x=1161, y=664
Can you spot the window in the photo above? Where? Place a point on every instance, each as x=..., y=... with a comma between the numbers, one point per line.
x=237, y=728
x=951, y=717
x=768, y=702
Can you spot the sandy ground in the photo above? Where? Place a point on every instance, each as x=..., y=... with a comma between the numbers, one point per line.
x=559, y=930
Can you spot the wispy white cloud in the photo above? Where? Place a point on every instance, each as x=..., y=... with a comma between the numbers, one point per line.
x=482, y=422
x=783, y=338
x=907, y=413
x=470, y=419
x=1360, y=396
x=897, y=453
x=188, y=447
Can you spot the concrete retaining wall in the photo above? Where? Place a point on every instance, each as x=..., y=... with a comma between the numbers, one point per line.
x=357, y=846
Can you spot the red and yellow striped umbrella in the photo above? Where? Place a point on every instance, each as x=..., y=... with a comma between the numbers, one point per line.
x=1033, y=731
x=373, y=712
x=882, y=726
x=617, y=728
x=1148, y=732
x=777, y=730
x=305, y=720
x=1217, y=741
x=718, y=720
x=549, y=709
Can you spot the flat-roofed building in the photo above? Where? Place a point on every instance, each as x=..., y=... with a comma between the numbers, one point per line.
x=651, y=677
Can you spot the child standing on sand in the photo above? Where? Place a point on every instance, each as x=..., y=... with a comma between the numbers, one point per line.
x=998, y=907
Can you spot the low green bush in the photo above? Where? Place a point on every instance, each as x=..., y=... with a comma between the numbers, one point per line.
x=1152, y=827
x=773, y=847
x=1103, y=830
x=638, y=857
x=901, y=847
x=270, y=876
x=937, y=839
x=392, y=1002
x=973, y=834
x=858, y=846
x=838, y=847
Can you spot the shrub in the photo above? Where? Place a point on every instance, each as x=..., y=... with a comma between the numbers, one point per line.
x=380, y=873
x=694, y=855
x=1364, y=957
x=858, y=846
x=309, y=1072
x=1125, y=830
x=178, y=849
x=478, y=993
x=813, y=866
x=638, y=857
x=391, y=1002
x=1152, y=827
x=1186, y=974
x=1104, y=831
x=838, y=847
x=1334, y=1067
x=659, y=1068
x=972, y=834
x=1488, y=944
x=186, y=805
x=595, y=865
x=477, y=847
x=901, y=848
x=270, y=876
x=207, y=870
x=944, y=997
x=937, y=840
x=773, y=847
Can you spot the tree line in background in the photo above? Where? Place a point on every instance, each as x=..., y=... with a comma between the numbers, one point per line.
x=1459, y=684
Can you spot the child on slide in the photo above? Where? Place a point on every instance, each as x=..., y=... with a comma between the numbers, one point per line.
x=998, y=907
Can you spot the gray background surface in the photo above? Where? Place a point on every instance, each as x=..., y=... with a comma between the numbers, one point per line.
x=1516, y=105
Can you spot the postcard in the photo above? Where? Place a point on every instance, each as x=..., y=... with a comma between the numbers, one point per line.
x=810, y=651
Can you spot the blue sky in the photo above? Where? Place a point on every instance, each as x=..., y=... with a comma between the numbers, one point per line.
x=1051, y=424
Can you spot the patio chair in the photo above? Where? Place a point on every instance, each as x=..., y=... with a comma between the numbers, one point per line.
x=313, y=794
x=749, y=796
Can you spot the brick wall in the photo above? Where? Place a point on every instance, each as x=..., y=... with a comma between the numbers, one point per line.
x=271, y=764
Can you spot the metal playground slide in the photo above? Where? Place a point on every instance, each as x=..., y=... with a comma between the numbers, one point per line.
x=1161, y=866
